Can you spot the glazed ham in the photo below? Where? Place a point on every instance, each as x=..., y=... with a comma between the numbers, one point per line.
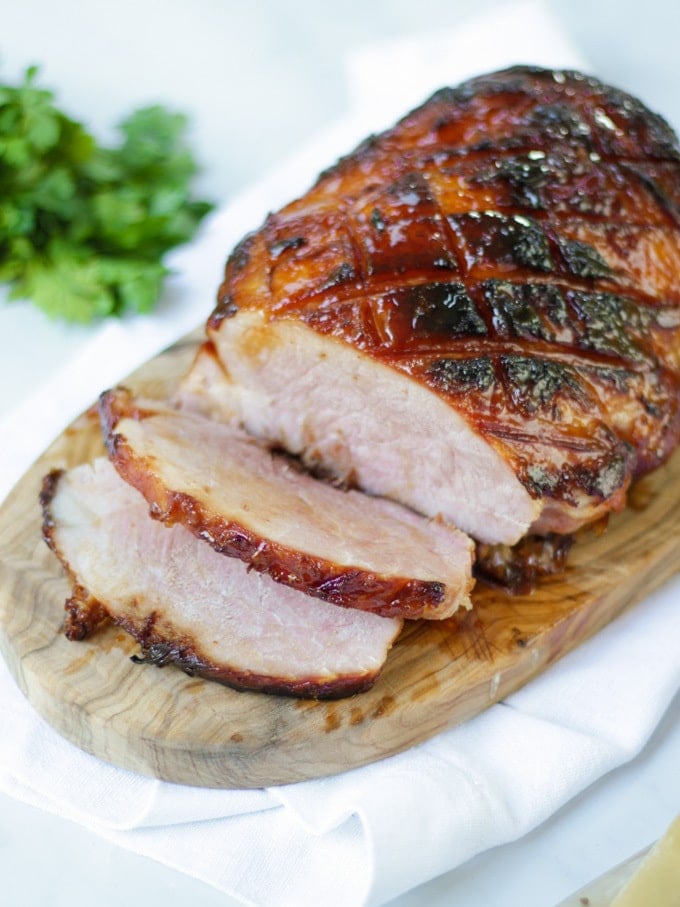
x=476, y=313
x=239, y=497
x=188, y=605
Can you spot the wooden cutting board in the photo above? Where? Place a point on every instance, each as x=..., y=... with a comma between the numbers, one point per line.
x=178, y=728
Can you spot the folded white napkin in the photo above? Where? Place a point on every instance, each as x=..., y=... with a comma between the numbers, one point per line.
x=371, y=833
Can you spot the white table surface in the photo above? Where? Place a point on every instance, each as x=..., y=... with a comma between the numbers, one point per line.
x=278, y=70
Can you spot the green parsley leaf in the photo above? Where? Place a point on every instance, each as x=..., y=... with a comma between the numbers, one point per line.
x=84, y=228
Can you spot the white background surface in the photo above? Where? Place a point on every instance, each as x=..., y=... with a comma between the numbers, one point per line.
x=259, y=79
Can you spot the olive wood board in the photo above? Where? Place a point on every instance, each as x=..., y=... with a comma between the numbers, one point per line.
x=163, y=723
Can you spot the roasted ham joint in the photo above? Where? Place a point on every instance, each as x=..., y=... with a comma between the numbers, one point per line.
x=464, y=338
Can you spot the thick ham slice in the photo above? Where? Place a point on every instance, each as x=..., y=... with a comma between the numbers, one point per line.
x=188, y=605
x=231, y=491
x=476, y=313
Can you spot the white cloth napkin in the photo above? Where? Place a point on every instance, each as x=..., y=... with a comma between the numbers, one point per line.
x=367, y=835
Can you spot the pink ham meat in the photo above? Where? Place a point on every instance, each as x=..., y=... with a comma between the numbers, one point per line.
x=188, y=605
x=231, y=491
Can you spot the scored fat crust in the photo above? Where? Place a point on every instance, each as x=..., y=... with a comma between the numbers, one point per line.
x=513, y=246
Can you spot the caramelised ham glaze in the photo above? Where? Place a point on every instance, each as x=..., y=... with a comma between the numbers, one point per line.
x=231, y=491
x=476, y=313
x=188, y=605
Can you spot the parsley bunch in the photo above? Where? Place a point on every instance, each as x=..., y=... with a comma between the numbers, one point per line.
x=83, y=229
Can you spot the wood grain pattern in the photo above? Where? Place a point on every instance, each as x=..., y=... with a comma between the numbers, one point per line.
x=163, y=723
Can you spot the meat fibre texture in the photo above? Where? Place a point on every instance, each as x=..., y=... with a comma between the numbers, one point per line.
x=475, y=313
x=248, y=502
x=190, y=606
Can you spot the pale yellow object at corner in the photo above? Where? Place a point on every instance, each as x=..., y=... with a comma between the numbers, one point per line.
x=656, y=883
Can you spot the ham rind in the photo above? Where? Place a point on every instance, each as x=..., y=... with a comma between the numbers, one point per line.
x=247, y=502
x=475, y=313
x=188, y=605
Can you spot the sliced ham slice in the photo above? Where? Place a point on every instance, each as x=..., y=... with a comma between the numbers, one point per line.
x=340, y=546
x=189, y=605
